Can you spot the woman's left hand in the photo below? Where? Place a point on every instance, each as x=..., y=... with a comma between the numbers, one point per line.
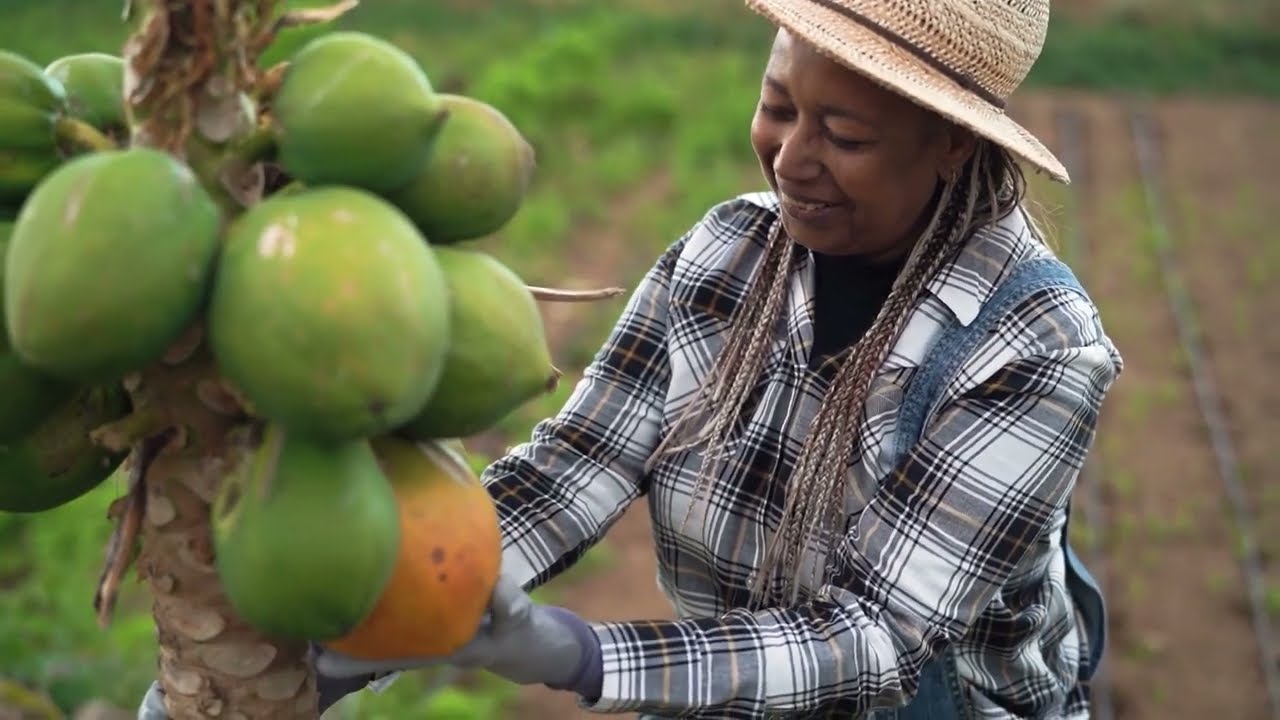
x=518, y=639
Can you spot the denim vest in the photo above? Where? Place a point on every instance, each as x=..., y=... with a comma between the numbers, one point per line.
x=940, y=696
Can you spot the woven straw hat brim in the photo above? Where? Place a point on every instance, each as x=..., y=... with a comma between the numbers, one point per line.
x=866, y=52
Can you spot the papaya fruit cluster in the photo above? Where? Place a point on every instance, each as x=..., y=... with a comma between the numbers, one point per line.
x=46, y=455
x=358, y=331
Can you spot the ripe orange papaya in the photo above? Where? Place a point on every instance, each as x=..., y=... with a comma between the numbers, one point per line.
x=450, y=553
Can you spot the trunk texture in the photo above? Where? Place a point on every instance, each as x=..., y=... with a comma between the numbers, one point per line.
x=189, y=61
x=211, y=663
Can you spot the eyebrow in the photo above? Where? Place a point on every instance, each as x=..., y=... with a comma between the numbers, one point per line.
x=831, y=110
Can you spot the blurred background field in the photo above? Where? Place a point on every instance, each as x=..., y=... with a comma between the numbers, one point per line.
x=638, y=110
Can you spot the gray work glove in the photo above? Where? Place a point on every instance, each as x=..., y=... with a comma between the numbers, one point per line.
x=519, y=640
x=152, y=707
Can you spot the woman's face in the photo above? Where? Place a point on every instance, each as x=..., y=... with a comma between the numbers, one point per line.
x=854, y=165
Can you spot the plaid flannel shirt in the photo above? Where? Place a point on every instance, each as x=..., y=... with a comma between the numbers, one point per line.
x=957, y=543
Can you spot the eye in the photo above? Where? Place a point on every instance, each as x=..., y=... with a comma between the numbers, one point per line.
x=777, y=112
x=847, y=143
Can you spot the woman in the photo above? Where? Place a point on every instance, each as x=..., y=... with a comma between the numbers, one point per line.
x=857, y=403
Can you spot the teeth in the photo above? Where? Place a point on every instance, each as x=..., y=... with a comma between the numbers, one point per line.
x=807, y=205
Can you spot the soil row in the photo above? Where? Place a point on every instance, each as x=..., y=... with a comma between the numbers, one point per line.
x=1183, y=638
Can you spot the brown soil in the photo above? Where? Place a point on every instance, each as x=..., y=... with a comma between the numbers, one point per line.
x=1182, y=642
x=1223, y=170
x=1180, y=613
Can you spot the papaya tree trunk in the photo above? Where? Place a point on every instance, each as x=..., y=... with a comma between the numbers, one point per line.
x=211, y=663
x=189, y=61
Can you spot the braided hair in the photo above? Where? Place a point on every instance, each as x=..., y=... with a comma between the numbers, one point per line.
x=988, y=187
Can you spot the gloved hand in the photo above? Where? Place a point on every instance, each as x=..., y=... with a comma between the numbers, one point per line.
x=519, y=640
x=152, y=707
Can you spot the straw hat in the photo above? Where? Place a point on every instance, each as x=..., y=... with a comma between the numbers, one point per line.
x=960, y=58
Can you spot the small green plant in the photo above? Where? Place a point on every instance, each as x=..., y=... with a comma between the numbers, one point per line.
x=420, y=694
x=49, y=638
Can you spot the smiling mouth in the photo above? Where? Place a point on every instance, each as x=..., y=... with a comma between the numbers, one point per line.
x=808, y=210
x=806, y=205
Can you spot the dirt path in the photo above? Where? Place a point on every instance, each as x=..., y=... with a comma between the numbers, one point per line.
x=1223, y=170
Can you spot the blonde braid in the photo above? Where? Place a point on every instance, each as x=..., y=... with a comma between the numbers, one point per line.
x=991, y=187
x=737, y=367
x=815, y=493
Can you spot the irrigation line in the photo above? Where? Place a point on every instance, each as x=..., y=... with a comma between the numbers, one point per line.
x=1148, y=157
x=1090, y=488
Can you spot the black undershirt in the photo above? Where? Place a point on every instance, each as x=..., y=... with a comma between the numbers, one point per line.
x=848, y=292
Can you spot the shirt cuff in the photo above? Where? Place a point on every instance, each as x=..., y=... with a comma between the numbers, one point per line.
x=645, y=666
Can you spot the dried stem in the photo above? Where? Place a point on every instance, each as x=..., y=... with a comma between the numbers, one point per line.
x=268, y=85
x=184, y=48
x=121, y=546
x=562, y=295
x=296, y=18
x=315, y=16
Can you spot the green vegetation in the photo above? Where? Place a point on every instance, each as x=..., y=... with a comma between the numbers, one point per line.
x=609, y=98
x=1131, y=55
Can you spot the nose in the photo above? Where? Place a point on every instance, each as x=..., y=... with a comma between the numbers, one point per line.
x=797, y=159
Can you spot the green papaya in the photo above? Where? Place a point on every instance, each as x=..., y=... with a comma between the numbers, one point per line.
x=498, y=356
x=329, y=312
x=353, y=109
x=21, y=171
x=27, y=396
x=110, y=260
x=94, y=84
x=56, y=462
x=306, y=534
x=475, y=178
x=31, y=102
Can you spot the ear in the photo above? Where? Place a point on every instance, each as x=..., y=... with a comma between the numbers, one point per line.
x=956, y=145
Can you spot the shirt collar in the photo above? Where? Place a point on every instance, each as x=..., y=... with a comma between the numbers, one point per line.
x=967, y=282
